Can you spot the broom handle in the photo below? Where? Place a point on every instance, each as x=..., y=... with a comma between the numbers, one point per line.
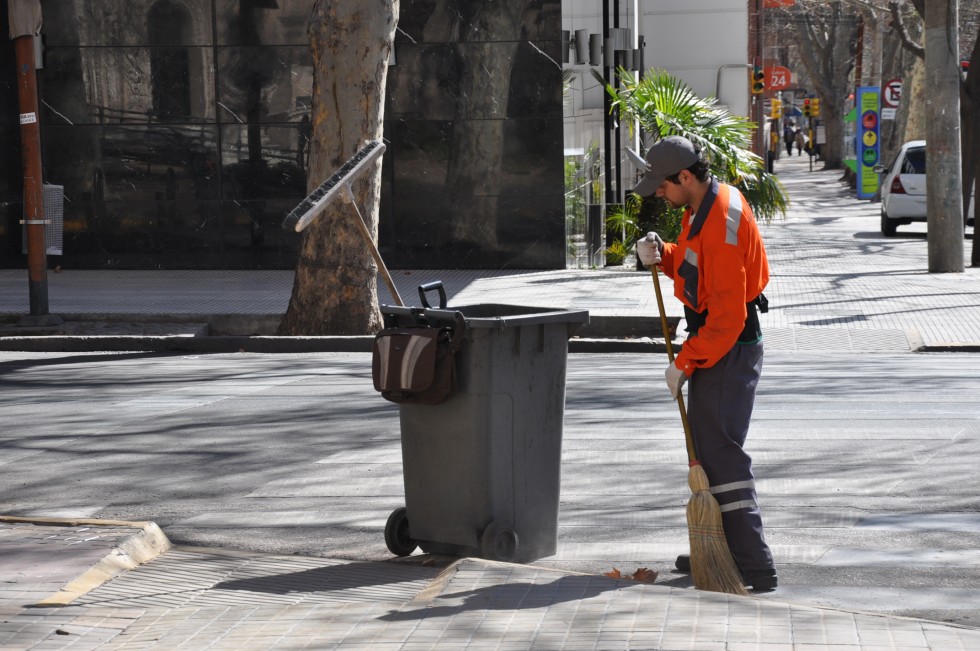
x=369, y=241
x=692, y=455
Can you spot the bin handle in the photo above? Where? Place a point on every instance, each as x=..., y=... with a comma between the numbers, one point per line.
x=428, y=287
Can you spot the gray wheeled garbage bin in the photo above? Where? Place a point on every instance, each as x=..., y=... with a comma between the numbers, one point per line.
x=482, y=470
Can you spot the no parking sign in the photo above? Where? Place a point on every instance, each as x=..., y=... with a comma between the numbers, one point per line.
x=868, y=145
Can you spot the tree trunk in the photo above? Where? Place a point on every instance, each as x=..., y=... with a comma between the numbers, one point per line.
x=970, y=123
x=335, y=289
x=944, y=198
x=914, y=102
x=833, y=123
x=825, y=52
x=897, y=64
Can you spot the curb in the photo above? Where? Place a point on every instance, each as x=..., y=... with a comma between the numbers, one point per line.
x=269, y=344
x=261, y=325
x=178, y=343
x=948, y=348
x=135, y=550
x=217, y=324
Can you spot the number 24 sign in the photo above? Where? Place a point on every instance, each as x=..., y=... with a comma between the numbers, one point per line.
x=777, y=77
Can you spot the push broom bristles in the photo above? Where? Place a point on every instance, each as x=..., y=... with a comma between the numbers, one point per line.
x=712, y=565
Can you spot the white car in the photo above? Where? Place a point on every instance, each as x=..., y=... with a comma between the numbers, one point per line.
x=903, y=188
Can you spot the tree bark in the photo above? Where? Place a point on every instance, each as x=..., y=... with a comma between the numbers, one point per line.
x=898, y=24
x=914, y=102
x=335, y=288
x=944, y=198
x=825, y=52
x=970, y=123
x=969, y=117
x=897, y=63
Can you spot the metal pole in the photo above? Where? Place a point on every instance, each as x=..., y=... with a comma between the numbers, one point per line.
x=618, y=197
x=606, y=108
x=810, y=141
x=30, y=139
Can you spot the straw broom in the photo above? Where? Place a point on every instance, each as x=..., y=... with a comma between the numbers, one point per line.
x=712, y=565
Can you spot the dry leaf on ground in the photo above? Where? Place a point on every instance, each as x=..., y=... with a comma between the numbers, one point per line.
x=642, y=574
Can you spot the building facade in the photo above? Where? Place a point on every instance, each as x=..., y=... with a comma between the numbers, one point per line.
x=180, y=131
x=180, y=128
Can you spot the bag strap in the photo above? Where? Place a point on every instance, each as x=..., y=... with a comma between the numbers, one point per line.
x=458, y=331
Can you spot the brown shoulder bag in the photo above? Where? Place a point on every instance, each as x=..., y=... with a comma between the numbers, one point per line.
x=416, y=365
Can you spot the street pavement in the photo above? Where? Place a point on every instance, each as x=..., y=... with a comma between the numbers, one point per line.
x=271, y=475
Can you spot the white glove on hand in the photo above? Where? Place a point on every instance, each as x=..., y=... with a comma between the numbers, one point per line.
x=675, y=379
x=649, y=249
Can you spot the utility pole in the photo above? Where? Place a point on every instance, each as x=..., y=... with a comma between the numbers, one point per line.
x=757, y=108
x=25, y=26
x=607, y=124
x=944, y=196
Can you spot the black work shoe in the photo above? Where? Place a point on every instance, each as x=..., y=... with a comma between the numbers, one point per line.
x=761, y=580
x=683, y=563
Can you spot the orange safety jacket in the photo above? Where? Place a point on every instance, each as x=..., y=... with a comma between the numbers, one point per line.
x=718, y=266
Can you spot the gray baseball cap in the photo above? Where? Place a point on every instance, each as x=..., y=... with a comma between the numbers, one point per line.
x=666, y=157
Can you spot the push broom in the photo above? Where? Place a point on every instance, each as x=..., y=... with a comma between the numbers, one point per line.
x=339, y=184
x=712, y=565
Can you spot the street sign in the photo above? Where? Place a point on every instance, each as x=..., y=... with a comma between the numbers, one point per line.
x=868, y=140
x=778, y=77
x=891, y=93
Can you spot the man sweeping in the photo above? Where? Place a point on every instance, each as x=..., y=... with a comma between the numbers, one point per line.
x=719, y=269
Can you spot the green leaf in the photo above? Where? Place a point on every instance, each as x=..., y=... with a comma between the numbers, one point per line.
x=665, y=106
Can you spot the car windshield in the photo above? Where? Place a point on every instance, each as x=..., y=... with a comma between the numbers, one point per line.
x=915, y=161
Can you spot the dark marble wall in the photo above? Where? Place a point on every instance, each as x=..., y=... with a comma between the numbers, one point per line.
x=179, y=129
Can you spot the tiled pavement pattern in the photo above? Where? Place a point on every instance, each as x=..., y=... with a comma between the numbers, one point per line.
x=205, y=599
x=50, y=556
x=37, y=561
x=832, y=269
x=219, y=578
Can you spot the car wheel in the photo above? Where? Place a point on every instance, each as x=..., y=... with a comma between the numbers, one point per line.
x=887, y=225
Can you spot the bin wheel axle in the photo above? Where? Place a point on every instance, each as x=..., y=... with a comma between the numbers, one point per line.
x=498, y=542
x=397, y=535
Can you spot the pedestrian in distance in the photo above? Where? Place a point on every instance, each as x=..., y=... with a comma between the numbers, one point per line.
x=772, y=153
x=719, y=268
x=800, y=146
x=789, y=132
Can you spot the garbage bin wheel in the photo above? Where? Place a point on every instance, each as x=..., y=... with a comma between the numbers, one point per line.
x=397, y=536
x=498, y=542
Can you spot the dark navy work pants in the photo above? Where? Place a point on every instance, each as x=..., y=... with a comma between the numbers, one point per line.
x=720, y=401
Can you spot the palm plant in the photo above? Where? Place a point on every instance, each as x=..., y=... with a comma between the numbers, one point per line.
x=624, y=220
x=665, y=106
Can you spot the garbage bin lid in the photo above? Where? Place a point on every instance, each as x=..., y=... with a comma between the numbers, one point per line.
x=491, y=315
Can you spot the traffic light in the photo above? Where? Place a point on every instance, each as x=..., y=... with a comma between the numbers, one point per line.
x=758, y=80
x=815, y=107
x=806, y=108
x=777, y=109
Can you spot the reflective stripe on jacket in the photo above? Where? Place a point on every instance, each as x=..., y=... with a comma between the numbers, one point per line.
x=718, y=266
